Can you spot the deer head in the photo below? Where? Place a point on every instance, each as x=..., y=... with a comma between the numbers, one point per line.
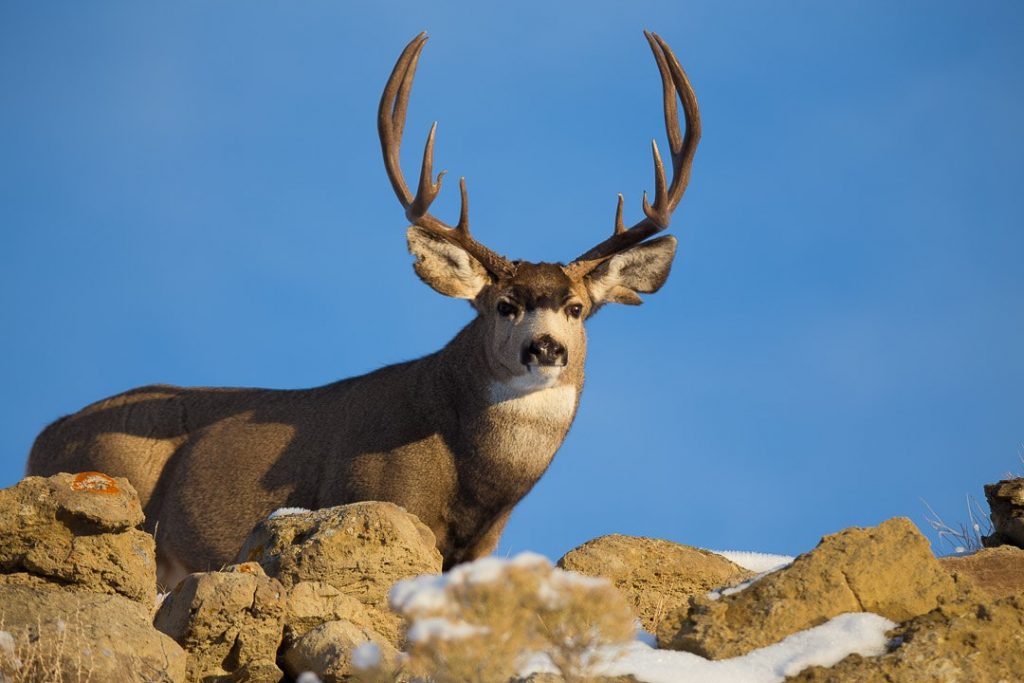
x=532, y=314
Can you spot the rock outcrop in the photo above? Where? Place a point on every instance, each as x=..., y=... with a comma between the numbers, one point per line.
x=888, y=570
x=361, y=550
x=311, y=603
x=78, y=636
x=327, y=650
x=78, y=584
x=995, y=572
x=1006, y=500
x=656, y=576
x=230, y=623
x=77, y=532
x=955, y=643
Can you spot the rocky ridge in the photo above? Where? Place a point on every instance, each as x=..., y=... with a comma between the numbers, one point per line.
x=310, y=588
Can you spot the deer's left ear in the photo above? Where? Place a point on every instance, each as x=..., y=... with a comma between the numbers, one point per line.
x=642, y=269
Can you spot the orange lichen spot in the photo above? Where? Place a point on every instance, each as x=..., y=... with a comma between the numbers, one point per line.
x=94, y=482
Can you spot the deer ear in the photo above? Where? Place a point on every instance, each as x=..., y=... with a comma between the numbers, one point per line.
x=642, y=269
x=446, y=267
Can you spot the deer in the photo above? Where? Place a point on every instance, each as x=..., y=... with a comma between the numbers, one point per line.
x=457, y=437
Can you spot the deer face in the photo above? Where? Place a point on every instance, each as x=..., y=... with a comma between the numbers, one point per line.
x=533, y=317
x=533, y=313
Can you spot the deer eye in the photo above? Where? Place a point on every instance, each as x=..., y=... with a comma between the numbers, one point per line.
x=574, y=310
x=506, y=309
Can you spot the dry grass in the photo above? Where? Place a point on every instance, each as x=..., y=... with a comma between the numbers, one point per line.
x=965, y=537
x=486, y=631
x=39, y=656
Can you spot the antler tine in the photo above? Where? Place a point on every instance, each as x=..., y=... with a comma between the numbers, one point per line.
x=394, y=103
x=674, y=83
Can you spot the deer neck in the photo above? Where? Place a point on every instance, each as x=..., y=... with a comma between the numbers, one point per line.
x=510, y=428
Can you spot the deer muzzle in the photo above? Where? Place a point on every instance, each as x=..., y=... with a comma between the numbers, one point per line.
x=545, y=351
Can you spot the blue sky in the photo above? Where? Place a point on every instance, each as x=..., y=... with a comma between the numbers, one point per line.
x=192, y=193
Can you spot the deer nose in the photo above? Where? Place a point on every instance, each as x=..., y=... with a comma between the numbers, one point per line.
x=544, y=350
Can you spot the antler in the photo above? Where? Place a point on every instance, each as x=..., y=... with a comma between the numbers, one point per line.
x=673, y=82
x=390, y=123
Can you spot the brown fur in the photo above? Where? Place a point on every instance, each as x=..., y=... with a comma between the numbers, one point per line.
x=430, y=435
x=457, y=437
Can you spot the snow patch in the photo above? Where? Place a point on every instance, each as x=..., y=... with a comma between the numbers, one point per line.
x=732, y=590
x=284, y=512
x=860, y=633
x=755, y=562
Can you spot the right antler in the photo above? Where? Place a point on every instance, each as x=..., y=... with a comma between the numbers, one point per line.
x=673, y=81
x=390, y=123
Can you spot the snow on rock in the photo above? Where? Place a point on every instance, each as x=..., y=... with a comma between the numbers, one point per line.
x=732, y=590
x=284, y=512
x=854, y=633
x=755, y=562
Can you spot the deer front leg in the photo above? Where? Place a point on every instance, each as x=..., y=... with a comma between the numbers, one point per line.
x=484, y=545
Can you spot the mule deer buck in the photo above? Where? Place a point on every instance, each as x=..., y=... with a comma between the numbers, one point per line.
x=457, y=437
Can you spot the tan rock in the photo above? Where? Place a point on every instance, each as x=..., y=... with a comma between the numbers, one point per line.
x=78, y=531
x=1006, y=500
x=888, y=570
x=327, y=650
x=78, y=636
x=997, y=572
x=360, y=549
x=656, y=576
x=980, y=643
x=311, y=603
x=230, y=622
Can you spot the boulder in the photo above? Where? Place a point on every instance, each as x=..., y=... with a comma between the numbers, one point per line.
x=360, y=549
x=996, y=572
x=888, y=570
x=230, y=622
x=327, y=650
x=78, y=636
x=1006, y=500
x=311, y=603
x=955, y=643
x=656, y=576
x=77, y=531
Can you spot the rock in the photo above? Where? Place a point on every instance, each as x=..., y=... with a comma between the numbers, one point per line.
x=230, y=622
x=77, y=531
x=1006, y=500
x=656, y=576
x=327, y=650
x=980, y=643
x=311, y=603
x=997, y=572
x=360, y=549
x=888, y=570
x=78, y=636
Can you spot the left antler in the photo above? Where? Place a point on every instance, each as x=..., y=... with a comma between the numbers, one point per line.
x=657, y=216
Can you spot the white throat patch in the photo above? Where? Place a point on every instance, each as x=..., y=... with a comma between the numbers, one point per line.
x=535, y=399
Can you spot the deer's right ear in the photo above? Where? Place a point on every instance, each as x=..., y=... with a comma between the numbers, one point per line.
x=446, y=267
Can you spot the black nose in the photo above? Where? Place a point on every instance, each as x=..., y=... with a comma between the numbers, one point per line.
x=544, y=350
